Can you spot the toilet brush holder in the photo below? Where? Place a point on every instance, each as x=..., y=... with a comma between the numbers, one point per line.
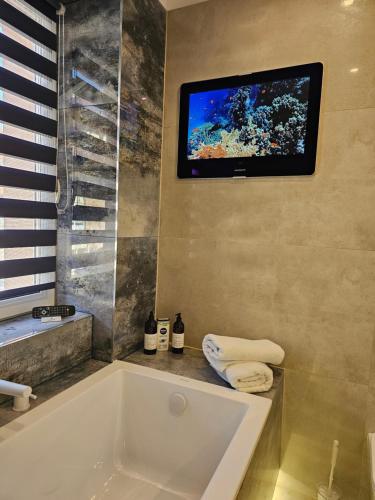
x=325, y=494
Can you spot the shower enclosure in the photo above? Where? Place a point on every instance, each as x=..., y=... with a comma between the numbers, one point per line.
x=110, y=119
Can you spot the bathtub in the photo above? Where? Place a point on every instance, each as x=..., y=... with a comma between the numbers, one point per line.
x=131, y=432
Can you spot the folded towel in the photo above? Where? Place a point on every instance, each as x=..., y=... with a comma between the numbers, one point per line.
x=246, y=376
x=220, y=348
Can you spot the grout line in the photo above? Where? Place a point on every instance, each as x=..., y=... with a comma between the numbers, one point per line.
x=347, y=109
x=265, y=243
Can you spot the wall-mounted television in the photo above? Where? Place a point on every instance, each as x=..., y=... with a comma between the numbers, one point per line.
x=259, y=124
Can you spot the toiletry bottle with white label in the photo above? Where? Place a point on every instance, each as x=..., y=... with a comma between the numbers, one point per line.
x=163, y=334
x=178, y=335
x=151, y=337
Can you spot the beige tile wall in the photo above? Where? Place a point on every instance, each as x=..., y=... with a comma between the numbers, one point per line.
x=291, y=259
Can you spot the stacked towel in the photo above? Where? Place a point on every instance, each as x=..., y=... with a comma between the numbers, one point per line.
x=241, y=362
x=247, y=376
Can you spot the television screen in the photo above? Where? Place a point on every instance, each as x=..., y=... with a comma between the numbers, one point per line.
x=259, y=124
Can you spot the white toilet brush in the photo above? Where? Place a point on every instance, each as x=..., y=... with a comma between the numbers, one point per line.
x=328, y=493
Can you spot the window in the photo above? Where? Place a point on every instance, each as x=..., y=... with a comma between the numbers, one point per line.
x=28, y=141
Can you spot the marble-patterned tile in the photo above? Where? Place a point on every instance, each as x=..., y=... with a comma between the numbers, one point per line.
x=135, y=291
x=142, y=67
x=143, y=50
x=92, y=41
x=92, y=128
x=105, y=196
x=92, y=59
x=79, y=252
x=87, y=169
x=88, y=221
x=85, y=278
x=90, y=16
x=140, y=140
x=20, y=327
x=142, y=84
x=94, y=132
x=40, y=357
x=94, y=169
x=95, y=143
x=88, y=206
x=138, y=206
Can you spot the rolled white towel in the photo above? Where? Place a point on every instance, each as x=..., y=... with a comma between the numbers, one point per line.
x=246, y=376
x=221, y=348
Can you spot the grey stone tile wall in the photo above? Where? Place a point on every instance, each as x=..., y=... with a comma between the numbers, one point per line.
x=47, y=353
x=135, y=291
x=141, y=113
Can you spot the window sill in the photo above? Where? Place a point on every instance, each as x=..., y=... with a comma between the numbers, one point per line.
x=13, y=308
x=25, y=326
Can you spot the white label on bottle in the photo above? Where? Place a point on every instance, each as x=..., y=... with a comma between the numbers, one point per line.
x=150, y=341
x=178, y=340
x=163, y=335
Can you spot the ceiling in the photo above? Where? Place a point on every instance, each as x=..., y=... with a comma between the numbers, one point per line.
x=177, y=4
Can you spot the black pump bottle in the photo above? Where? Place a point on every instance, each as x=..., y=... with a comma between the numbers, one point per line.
x=178, y=335
x=151, y=338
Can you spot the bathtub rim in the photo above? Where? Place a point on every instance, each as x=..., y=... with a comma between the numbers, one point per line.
x=227, y=479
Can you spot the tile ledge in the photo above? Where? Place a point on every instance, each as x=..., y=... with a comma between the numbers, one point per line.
x=193, y=364
x=25, y=326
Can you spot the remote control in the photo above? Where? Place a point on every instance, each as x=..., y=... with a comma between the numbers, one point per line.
x=49, y=311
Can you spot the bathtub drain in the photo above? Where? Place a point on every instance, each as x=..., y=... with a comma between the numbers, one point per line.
x=177, y=404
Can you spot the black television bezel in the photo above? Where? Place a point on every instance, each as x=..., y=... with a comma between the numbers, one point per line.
x=254, y=166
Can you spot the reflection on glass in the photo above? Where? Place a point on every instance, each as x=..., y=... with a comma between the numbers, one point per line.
x=93, y=270
x=89, y=202
x=83, y=248
x=83, y=225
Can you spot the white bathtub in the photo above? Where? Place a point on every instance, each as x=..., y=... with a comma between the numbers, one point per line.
x=120, y=434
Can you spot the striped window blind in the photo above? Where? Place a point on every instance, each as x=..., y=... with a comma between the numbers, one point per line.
x=28, y=131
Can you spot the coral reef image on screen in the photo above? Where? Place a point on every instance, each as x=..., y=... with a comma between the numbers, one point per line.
x=254, y=120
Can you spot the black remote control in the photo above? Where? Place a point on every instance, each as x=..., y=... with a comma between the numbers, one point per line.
x=49, y=311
